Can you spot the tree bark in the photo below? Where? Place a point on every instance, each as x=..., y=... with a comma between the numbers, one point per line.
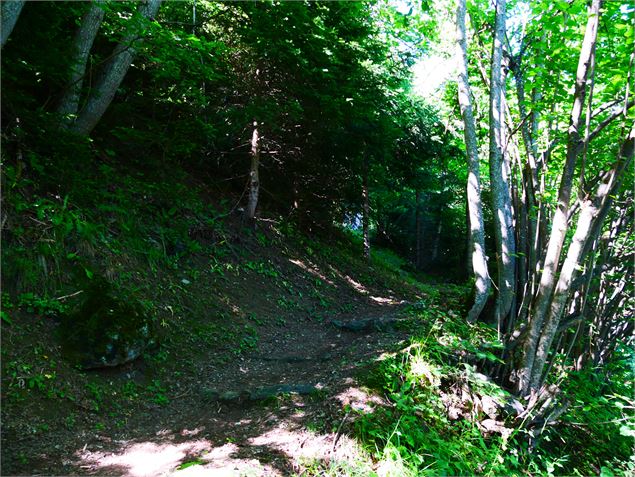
x=366, y=211
x=112, y=75
x=254, y=179
x=474, y=202
x=419, y=238
x=559, y=223
x=590, y=211
x=499, y=175
x=437, y=241
x=83, y=43
x=10, y=13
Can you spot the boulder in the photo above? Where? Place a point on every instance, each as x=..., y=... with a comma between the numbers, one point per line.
x=107, y=329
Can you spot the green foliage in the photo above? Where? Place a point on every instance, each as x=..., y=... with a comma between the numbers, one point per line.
x=43, y=306
x=108, y=327
x=158, y=394
x=600, y=416
x=190, y=463
x=415, y=434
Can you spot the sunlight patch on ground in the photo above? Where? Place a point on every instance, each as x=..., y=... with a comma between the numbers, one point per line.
x=221, y=462
x=147, y=458
x=356, y=285
x=359, y=400
x=386, y=300
x=150, y=459
x=312, y=269
x=361, y=289
x=305, y=446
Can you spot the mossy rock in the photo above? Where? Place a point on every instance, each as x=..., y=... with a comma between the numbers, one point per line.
x=107, y=329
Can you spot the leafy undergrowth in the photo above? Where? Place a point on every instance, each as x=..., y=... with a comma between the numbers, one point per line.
x=212, y=288
x=441, y=416
x=215, y=290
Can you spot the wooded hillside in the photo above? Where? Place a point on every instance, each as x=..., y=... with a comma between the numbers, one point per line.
x=152, y=151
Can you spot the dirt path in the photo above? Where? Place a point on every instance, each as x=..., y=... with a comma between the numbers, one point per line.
x=214, y=399
x=211, y=424
x=279, y=436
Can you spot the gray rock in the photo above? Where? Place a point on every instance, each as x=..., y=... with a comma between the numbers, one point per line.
x=230, y=396
x=108, y=328
x=367, y=324
x=267, y=392
x=257, y=394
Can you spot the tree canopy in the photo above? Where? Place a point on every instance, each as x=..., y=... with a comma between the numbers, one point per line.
x=514, y=179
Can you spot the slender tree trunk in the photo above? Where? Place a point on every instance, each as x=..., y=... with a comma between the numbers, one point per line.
x=437, y=241
x=10, y=13
x=559, y=223
x=499, y=175
x=112, y=75
x=419, y=238
x=474, y=202
x=529, y=172
x=366, y=211
x=590, y=211
x=83, y=43
x=254, y=180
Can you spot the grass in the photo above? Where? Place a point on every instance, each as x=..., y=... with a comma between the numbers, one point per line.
x=432, y=425
x=160, y=239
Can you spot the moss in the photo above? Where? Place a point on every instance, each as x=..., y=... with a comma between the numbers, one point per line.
x=108, y=328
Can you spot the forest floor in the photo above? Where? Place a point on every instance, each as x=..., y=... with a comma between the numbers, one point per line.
x=256, y=374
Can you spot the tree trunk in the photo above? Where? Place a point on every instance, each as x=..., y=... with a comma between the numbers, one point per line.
x=83, y=43
x=254, y=180
x=418, y=233
x=474, y=203
x=366, y=211
x=437, y=241
x=112, y=75
x=499, y=175
x=559, y=223
x=590, y=211
x=10, y=13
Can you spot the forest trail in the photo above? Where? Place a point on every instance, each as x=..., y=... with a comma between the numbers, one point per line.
x=262, y=374
x=255, y=435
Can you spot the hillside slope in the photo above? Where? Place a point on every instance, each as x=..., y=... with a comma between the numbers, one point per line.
x=273, y=353
x=238, y=312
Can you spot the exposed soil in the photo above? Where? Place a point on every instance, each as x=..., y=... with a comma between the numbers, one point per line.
x=269, y=326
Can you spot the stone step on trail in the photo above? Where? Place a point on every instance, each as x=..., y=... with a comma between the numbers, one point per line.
x=260, y=393
x=294, y=359
x=367, y=324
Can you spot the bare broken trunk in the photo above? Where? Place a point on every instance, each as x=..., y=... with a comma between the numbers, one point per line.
x=254, y=179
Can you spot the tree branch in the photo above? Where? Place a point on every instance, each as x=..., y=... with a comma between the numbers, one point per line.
x=609, y=120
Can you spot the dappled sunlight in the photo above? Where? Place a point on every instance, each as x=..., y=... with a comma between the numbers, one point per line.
x=424, y=371
x=302, y=445
x=390, y=301
x=312, y=269
x=193, y=458
x=359, y=400
x=356, y=285
x=146, y=458
x=362, y=290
